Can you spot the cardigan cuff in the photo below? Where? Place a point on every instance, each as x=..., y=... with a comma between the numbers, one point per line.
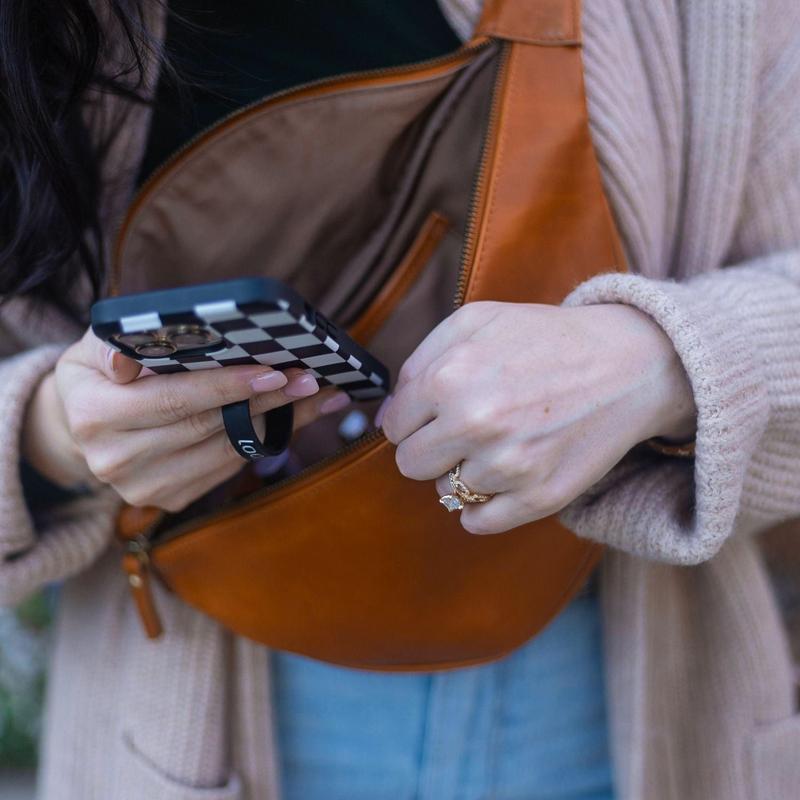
x=20, y=376
x=681, y=511
x=36, y=548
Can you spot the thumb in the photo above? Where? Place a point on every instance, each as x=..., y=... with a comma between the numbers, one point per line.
x=115, y=366
x=120, y=368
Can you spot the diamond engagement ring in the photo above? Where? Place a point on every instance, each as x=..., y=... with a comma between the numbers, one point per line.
x=460, y=494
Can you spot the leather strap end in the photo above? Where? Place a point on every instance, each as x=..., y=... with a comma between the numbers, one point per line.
x=133, y=521
x=139, y=581
x=538, y=22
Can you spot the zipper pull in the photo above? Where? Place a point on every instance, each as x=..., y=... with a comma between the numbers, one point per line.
x=134, y=528
x=136, y=564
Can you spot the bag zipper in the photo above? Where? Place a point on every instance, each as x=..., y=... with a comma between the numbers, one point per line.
x=479, y=184
x=157, y=538
x=285, y=94
x=137, y=562
x=461, y=284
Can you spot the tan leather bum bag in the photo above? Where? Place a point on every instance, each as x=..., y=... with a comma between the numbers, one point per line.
x=386, y=199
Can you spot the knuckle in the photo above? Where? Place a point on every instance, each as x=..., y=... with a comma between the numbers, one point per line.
x=479, y=525
x=462, y=357
x=83, y=420
x=83, y=429
x=404, y=375
x=389, y=428
x=172, y=404
x=202, y=425
x=514, y=464
x=262, y=403
x=225, y=387
x=168, y=498
x=137, y=496
x=528, y=461
x=504, y=471
x=446, y=378
x=402, y=466
x=406, y=463
x=103, y=467
x=480, y=418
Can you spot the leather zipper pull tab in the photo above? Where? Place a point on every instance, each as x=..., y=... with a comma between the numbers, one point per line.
x=135, y=563
x=134, y=527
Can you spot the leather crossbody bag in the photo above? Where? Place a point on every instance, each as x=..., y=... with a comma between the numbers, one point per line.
x=387, y=199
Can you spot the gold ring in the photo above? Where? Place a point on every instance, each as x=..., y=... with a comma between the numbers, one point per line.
x=461, y=494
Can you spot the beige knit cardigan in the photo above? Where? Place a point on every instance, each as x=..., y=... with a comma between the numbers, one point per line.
x=695, y=116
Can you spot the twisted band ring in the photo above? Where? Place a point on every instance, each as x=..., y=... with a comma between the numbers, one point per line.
x=460, y=494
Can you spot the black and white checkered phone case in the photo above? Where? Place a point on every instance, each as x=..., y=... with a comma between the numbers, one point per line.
x=260, y=320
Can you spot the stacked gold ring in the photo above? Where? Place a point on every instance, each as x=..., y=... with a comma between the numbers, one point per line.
x=460, y=494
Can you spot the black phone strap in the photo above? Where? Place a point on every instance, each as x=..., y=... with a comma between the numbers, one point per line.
x=243, y=436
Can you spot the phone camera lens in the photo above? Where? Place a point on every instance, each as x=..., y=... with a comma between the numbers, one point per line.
x=159, y=348
x=190, y=338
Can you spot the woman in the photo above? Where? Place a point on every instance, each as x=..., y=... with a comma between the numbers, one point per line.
x=693, y=116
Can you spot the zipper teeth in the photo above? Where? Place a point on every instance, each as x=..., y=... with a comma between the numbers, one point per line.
x=479, y=185
x=165, y=165
x=466, y=258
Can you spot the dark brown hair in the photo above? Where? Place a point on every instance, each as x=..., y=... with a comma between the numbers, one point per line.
x=50, y=52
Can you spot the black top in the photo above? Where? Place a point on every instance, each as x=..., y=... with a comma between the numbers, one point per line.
x=230, y=54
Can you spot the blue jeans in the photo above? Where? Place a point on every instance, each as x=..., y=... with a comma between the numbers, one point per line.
x=531, y=726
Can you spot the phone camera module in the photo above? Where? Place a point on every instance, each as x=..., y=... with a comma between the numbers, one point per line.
x=169, y=340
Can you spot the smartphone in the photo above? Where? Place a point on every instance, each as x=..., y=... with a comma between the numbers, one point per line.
x=243, y=321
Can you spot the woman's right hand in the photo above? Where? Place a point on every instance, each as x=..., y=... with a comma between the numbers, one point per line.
x=157, y=439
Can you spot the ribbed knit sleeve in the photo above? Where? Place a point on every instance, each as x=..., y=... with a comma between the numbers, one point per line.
x=36, y=548
x=737, y=332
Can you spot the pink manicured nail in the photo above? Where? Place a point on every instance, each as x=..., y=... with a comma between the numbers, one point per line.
x=381, y=411
x=301, y=386
x=335, y=403
x=113, y=357
x=268, y=382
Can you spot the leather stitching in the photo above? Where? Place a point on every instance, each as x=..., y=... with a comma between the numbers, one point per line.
x=574, y=24
x=556, y=40
x=559, y=38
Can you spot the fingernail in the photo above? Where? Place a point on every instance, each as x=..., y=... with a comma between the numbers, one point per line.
x=301, y=386
x=335, y=403
x=381, y=411
x=268, y=382
x=110, y=360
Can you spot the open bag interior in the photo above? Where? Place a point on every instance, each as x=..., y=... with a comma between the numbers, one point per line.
x=327, y=191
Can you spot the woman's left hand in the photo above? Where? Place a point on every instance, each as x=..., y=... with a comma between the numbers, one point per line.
x=538, y=401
